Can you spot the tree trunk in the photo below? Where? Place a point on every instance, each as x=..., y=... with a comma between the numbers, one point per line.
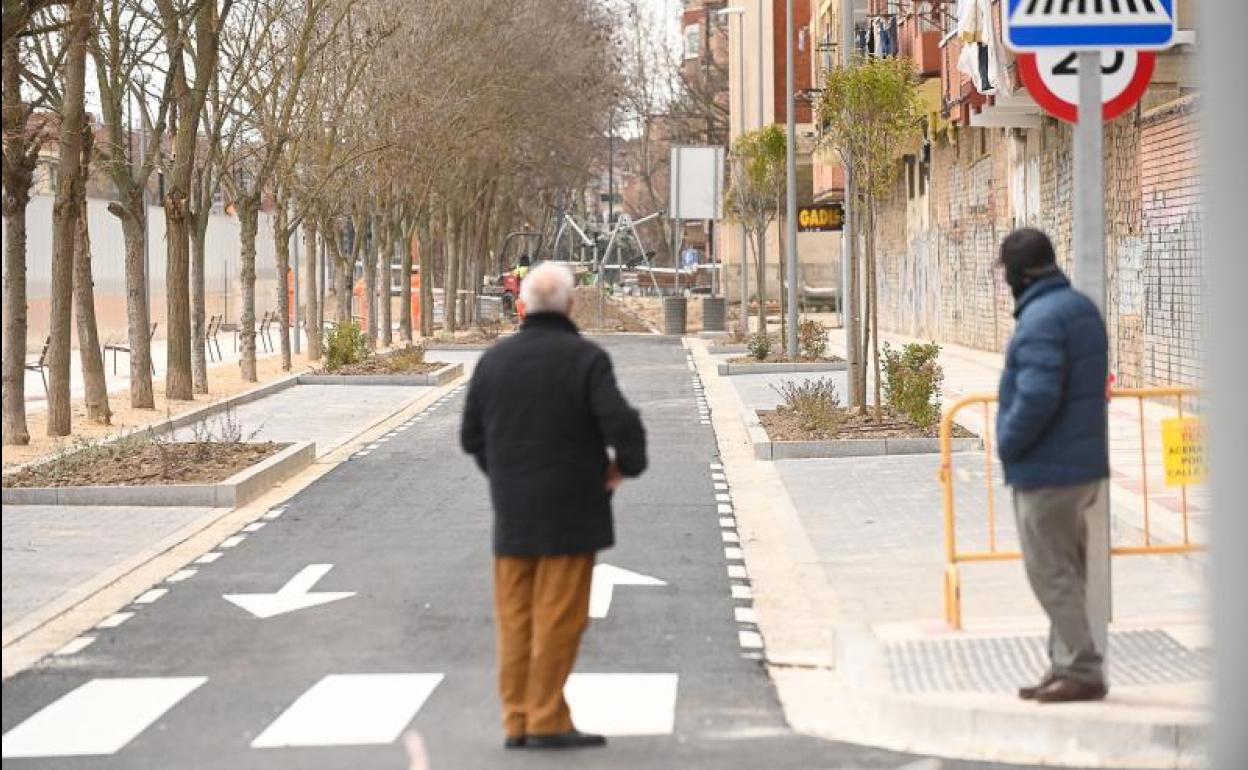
x=16, y=198
x=179, y=384
x=342, y=276
x=760, y=264
x=249, y=221
x=281, y=247
x=385, y=251
x=19, y=166
x=199, y=298
x=92, y=359
x=450, y=301
x=404, y=245
x=138, y=315
x=425, y=254
x=370, y=277
x=312, y=307
x=65, y=211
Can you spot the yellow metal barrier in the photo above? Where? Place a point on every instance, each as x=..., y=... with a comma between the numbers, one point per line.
x=954, y=557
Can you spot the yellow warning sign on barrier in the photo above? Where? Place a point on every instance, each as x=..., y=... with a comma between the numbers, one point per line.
x=1183, y=444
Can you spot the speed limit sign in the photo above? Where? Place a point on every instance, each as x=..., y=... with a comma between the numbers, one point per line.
x=1052, y=77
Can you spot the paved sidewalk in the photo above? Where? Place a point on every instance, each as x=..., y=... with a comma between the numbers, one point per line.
x=895, y=674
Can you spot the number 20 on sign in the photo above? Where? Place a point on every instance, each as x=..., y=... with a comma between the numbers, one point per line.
x=1052, y=78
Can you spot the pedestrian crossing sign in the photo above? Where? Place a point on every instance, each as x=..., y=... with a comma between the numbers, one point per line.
x=1037, y=25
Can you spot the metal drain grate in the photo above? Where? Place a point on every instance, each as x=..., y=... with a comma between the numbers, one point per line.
x=1001, y=664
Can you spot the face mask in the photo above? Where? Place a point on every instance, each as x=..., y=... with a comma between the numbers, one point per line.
x=1019, y=278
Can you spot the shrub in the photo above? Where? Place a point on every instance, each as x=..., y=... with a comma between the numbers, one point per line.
x=815, y=403
x=812, y=339
x=912, y=381
x=345, y=345
x=759, y=345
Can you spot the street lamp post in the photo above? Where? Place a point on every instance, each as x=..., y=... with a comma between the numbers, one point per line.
x=790, y=151
x=745, y=270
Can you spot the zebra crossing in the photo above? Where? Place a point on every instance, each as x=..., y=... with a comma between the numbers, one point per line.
x=104, y=715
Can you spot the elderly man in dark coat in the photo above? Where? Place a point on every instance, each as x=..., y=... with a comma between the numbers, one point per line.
x=1053, y=438
x=548, y=425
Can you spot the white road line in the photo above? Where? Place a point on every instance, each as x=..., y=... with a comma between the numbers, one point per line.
x=717, y=466
x=114, y=620
x=725, y=509
x=361, y=454
x=723, y=498
x=255, y=526
x=373, y=446
x=209, y=557
x=75, y=645
x=742, y=592
x=727, y=522
x=273, y=514
x=721, y=486
x=180, y=575
x=718, y=476
x=350, y=710
x=733, y=554
x=745, y=614
x=750, y=640
x=97, y=719
x=391, y=434
x=737, y=571
x=230, y=542
x=150, y=596
x=623, y=704
x=730, y=537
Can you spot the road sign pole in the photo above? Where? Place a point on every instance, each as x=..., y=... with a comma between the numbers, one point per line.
x=1089, y=278
x=790, y=215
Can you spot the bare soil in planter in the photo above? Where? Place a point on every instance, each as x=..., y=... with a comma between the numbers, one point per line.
x=779, y=358
x=783, y=425
x=474, y=336
x=404, y=361
x=145, y=462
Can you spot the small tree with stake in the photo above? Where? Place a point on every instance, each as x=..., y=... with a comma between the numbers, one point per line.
x=869, y=112
x=754, y=194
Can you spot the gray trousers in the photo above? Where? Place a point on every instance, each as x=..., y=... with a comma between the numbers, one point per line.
x=1053, y=532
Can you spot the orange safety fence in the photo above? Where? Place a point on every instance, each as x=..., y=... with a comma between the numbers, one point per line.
x=990, y=551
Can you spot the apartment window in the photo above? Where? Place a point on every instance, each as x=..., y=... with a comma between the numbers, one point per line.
x=693, y=41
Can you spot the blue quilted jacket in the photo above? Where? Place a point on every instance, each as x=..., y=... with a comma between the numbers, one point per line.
x=1052, y=427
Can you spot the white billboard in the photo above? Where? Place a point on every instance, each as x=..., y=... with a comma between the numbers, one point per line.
x=697, y=190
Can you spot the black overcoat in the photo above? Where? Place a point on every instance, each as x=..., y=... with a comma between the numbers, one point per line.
x=543, y=413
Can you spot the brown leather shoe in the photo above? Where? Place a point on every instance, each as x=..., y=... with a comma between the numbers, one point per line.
x=1066, y=690
x=1029, y=693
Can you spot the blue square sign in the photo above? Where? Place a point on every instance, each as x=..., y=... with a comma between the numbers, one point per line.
x=1036, y=25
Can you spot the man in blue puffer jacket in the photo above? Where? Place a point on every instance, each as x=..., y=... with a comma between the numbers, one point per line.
x=1052, y=435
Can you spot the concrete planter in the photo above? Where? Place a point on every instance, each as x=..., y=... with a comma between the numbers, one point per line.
x=766, y=449
x=780, y=367
x=237, y=490
x=436, y=377
x=467, y=346
x=734, y=349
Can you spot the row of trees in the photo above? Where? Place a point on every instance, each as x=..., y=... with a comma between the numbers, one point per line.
x=869, y=112
x=447, y=125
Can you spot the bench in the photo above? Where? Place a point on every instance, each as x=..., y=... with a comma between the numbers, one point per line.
x=124, y=347
x=40, y=364
x=210, y=337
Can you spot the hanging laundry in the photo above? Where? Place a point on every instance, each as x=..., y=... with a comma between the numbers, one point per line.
x=978, y=60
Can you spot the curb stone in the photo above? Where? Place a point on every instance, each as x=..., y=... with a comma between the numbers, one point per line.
x=766, y=449
x=235, y=491
x=781, y=367
x=437, y=377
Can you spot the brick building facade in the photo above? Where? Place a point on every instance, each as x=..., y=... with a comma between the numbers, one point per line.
x=940, y=228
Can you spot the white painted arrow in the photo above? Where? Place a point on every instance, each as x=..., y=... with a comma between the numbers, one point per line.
x=295, y=595
x=606, y=578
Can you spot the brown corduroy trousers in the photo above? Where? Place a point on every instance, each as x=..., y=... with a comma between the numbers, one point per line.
x=541, y=608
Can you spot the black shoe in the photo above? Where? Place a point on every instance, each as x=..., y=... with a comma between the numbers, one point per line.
x=514, y=742
x=572, y=739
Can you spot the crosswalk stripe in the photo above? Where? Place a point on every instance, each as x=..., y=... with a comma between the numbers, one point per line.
x=98, y=718
x=350, y=710
x=623, y=704
x=75, y=645
x=114, y=620
x=150, y=596
x=181, y=575
x=209, y=557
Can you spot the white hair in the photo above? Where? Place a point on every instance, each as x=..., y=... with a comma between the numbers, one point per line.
x=547, y=289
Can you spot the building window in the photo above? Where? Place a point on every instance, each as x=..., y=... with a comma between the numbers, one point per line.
x=693, y=41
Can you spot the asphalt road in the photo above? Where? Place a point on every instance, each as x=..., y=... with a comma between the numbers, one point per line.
x=192, y=680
